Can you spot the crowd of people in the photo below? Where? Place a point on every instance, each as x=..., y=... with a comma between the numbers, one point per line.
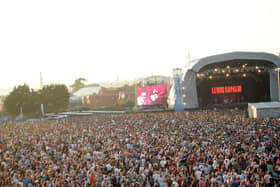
x=191, y=148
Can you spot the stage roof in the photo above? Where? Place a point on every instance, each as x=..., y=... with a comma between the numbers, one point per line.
x=196, y=65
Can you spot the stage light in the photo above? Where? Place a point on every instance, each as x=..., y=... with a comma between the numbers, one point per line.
x=227, y=75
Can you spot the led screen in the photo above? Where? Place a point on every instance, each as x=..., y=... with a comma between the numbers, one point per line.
x=227, y=89
x=151, y=95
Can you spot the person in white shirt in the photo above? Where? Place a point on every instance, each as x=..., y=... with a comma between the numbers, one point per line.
x=109, y=167
x=267, y=178
x=163, y=163
x=197, y=174
x=226, y=178
x=227, y=163
x=215, y=164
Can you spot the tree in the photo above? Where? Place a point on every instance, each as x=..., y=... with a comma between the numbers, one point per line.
x=22, y=97
x=55, y=97
x=78, y=84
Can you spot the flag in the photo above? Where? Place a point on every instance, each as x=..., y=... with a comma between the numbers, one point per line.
x=42, y=110
x=88, y=99
x=1, y=106
x=83, y=99
x=121, y=95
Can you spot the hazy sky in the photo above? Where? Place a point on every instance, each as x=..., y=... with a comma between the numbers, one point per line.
x=97, y=39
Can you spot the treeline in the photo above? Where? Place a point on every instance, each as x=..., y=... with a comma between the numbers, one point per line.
x=54, y=97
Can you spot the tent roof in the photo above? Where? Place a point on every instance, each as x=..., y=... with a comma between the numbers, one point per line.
x=87, y=91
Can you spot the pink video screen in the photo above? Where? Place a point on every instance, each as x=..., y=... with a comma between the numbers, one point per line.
x=151, y=95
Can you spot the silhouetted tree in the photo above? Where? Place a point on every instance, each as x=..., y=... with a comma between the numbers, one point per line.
x=78, y=84
x=22, y=97
x=55, y=97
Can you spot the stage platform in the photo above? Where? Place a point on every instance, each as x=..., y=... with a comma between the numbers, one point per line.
x=264, y=109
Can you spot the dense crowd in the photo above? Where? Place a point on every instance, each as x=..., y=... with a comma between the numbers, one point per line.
x=193, y=148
